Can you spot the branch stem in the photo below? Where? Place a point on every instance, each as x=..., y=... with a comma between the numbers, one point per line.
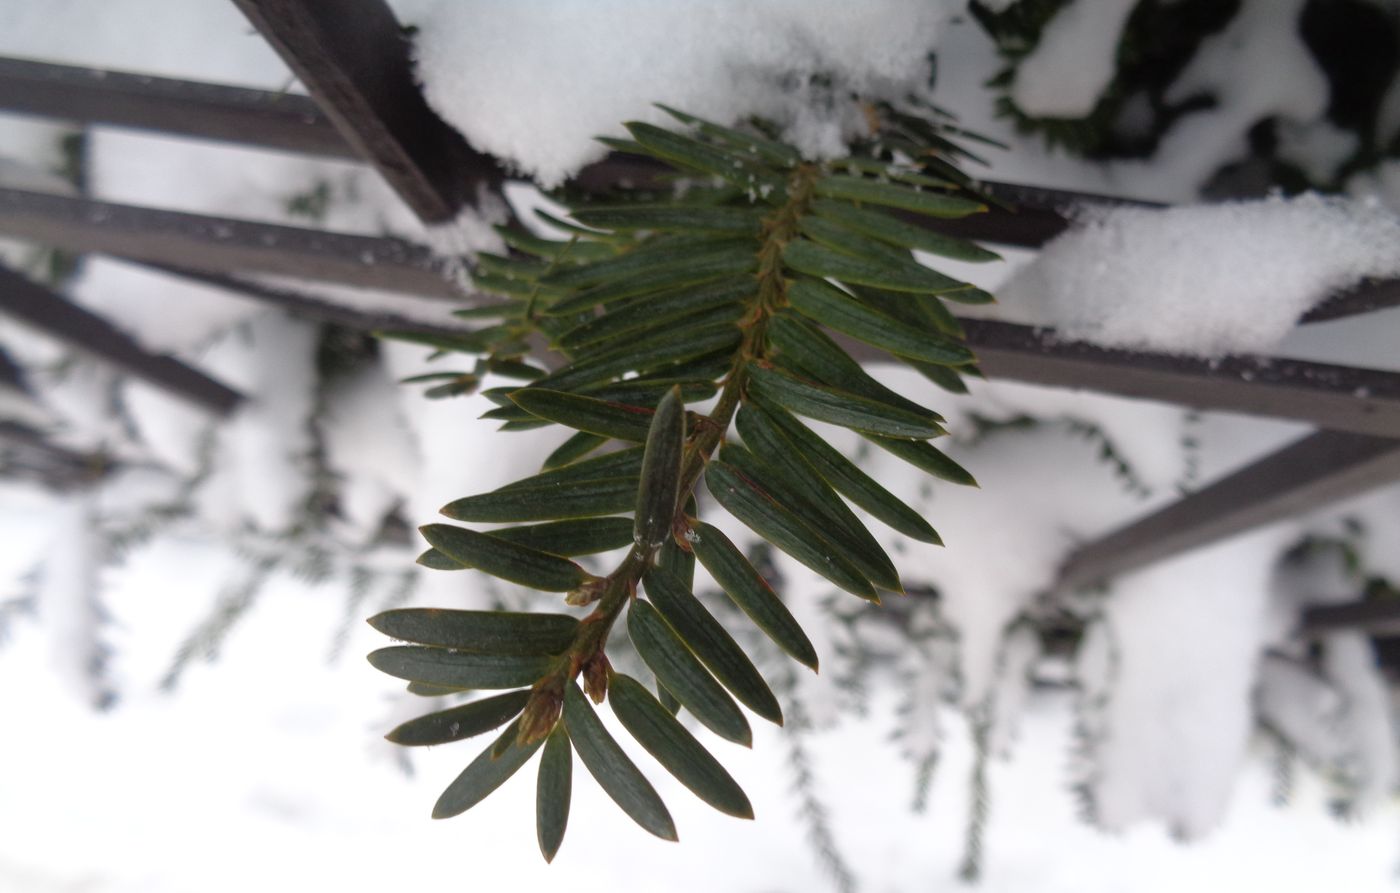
x=586, y=654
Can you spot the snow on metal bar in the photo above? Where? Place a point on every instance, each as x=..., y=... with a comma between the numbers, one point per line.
x=1308, y=474
x=1363, y=401
x=292, y=122
x=49, y=312
x=224, y=245
x=312, y=307
x=354, y=59
x=186, y=108
x=1345, y=398
x=1335, y=397
x=296, y=123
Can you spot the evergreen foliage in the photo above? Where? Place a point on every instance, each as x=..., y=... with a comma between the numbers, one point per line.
x=1352, y=41
x=732, y=282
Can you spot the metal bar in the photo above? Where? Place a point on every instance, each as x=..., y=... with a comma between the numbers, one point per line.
x=223, y=245
x=1308, y=474
x=11, y=375
x=25, y=452
x=311, y=307
x=1378, y=617
x=1363, y=401
x=1368, y=297
x=49, y=312
x=1030, y=217
x=186, y=108
x=354, y=59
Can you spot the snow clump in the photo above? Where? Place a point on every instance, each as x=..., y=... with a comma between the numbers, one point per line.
x=533, y=83
x=1204, y=280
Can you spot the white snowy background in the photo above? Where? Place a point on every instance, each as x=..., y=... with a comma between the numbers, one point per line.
x=265, y=766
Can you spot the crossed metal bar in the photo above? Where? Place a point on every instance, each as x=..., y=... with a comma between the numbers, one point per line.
x=353, y=57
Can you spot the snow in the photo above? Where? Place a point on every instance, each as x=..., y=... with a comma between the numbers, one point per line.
x=244, y=182
x=260, y=460
x=1074, y=61
x=175, y=431
x=164, y=314
x=297, y=789
x=182, y=40
x=1205, y=280
x=1178, y=717
x=1020, y=649
x=981, y=592
x=369, y=446
x=1320, y=148
x=1382, y=183
x=1301, y=706
x=67, y=600
x=926, y=663
x=586, y=66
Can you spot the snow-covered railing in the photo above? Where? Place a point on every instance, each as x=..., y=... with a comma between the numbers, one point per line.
x=1344, y=398
x=310, y=307
x=224, y=245
x=293, y=122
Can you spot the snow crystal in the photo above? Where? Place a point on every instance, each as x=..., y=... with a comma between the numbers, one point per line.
x=1074, y=60
x=1204, y=280
x=534, y=83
